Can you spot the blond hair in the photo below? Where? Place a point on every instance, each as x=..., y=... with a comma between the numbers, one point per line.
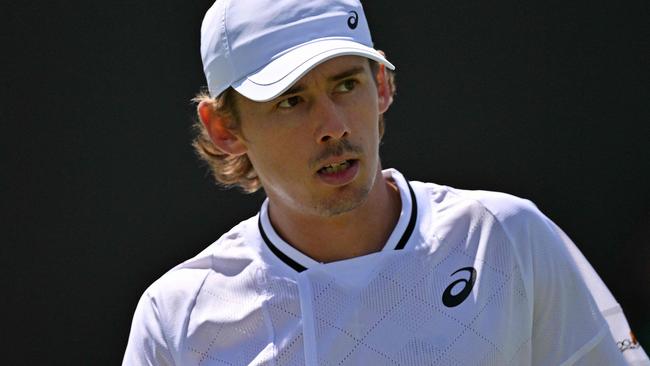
x=237, y=171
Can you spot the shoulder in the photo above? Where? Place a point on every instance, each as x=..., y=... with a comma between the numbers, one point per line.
x=198, y=288
x=508, y=209
x=176, y=291
x=455, y=215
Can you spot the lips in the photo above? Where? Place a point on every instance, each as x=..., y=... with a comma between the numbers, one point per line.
x=339, y=172
x=335, y=167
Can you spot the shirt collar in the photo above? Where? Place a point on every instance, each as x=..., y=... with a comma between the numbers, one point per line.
x=396, y=241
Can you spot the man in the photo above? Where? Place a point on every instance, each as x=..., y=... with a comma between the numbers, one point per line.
x=345, y=263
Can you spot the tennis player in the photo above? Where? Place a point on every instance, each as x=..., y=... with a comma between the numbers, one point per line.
x=348, y=263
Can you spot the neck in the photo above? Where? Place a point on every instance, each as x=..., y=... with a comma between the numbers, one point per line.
x=355, y=233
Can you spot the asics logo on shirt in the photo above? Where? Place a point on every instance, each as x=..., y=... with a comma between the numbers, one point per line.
x=450, y=299
x=353, y=20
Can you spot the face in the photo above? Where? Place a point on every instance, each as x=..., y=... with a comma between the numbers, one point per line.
x=316, y=147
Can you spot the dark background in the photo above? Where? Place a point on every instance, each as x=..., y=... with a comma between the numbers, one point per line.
x=102, y=193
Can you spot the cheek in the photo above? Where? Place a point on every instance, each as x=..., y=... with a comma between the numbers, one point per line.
x=366, y=118
x=276, y=157
x=367, y=103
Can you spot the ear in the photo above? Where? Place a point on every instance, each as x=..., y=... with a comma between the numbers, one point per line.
x=217, y=126
x=383, y=88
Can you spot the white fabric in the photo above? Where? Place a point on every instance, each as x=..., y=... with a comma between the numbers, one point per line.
x=534, y=299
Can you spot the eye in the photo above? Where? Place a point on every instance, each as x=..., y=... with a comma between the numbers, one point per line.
x=347, y=86
x=289, y=102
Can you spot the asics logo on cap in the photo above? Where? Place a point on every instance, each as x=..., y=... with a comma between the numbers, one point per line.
x=353, y=20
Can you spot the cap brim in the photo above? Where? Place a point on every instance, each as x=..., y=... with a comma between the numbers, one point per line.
x=280, y=74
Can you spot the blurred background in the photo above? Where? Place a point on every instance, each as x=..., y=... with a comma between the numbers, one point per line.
x=102, y=193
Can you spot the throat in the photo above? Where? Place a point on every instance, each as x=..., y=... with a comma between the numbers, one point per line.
x=359, y=232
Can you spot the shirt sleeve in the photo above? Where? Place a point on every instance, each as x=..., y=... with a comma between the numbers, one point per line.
x=147, y=345
x=618, y=330
x=576, y=320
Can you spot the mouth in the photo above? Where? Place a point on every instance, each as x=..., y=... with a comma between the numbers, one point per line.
x=339, y=173
x=336, y=167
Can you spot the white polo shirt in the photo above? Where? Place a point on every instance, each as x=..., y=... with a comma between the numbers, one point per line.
x=466, y=278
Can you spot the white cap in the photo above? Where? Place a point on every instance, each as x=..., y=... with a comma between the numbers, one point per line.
x=262, y=47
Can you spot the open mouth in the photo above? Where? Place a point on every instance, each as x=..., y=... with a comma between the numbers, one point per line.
x=338, y=167
x=339, y=173
x=335, y=168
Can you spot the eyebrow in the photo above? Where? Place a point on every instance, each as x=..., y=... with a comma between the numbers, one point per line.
x=342, y=75
x=347, y=73
x=293, y=90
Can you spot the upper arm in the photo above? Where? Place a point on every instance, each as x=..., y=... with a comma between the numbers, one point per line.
x=575, y=317
x=147, y=344
x=574, y=314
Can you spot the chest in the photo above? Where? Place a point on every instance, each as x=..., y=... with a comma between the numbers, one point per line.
x=461, y=306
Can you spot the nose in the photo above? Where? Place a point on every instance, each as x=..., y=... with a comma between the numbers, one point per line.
x=331, y=121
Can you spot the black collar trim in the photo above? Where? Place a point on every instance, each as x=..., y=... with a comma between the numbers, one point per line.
x=300, y=268
x=283, y=257
x=414, y=215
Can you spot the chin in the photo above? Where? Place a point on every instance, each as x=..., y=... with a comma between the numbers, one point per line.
x=344, y=202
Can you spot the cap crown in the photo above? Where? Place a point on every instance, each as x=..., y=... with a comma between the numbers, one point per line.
x=239, y=37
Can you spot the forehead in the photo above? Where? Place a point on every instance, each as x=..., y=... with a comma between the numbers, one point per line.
x=333, y=68
x=330, y=70
x=335, y=65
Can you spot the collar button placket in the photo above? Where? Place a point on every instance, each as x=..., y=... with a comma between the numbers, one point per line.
x=308, y=321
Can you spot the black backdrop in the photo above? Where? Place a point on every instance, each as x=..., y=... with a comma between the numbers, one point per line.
x=101, y=192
